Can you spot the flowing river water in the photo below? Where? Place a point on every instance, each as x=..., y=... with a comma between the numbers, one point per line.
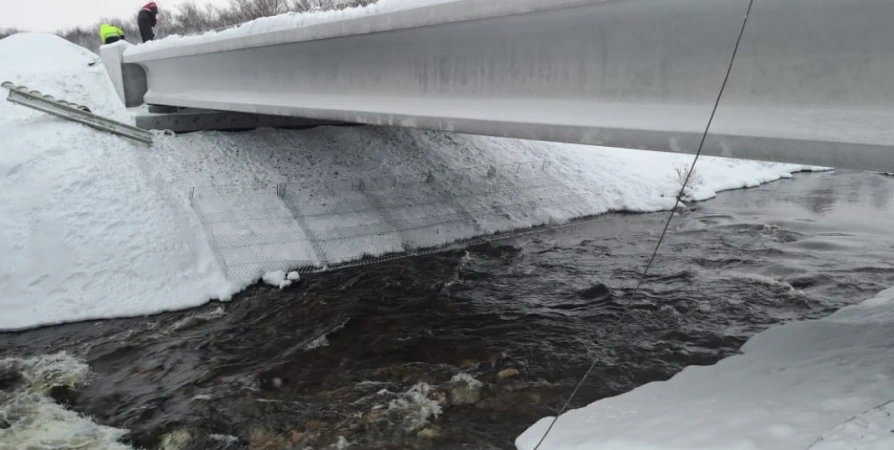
x=458, y=350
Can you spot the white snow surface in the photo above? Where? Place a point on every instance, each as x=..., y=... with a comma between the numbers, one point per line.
x=277, y=278
x=288, y=21
x=93, y=227
x=819, y=384
x=87, y=229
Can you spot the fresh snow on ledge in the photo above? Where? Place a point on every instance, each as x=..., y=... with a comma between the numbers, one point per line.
x=818, y=385
x=288, y=21
x=93, y=227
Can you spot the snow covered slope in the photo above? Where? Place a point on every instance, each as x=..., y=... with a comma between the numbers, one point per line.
x=94, y=227
x=822, y=384
x=85, y=229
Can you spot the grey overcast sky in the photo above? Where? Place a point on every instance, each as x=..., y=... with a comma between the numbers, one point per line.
x=52, y=15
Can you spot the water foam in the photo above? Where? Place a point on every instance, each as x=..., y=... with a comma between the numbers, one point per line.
x=35, y=421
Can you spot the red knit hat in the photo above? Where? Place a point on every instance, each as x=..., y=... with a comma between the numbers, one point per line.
x=150, y=6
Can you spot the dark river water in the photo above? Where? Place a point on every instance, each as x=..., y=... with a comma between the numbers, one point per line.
x=465, y=349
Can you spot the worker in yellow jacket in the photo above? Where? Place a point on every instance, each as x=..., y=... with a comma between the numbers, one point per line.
x=109, y=33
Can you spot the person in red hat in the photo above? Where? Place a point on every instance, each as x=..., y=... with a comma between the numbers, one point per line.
x=146, y=21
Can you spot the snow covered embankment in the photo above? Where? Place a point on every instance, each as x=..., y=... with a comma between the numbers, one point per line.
x=86, y=229
x=93, y=227
x=819, y=385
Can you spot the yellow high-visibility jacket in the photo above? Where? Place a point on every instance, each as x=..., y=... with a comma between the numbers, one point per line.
x=107, y=31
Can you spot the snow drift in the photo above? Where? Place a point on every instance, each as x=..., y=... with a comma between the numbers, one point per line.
x=94, y=227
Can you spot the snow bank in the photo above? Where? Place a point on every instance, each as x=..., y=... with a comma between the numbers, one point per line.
x=289, y=21
x=821, y=384
x=93, y=227
x=86, y=230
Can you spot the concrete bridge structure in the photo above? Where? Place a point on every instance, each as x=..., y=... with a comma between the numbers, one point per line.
x=813, y=81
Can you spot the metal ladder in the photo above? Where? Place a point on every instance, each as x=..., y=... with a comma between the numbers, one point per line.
x=21, y=95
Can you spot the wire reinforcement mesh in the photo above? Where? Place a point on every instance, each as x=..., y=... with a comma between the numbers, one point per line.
x=304, y=226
